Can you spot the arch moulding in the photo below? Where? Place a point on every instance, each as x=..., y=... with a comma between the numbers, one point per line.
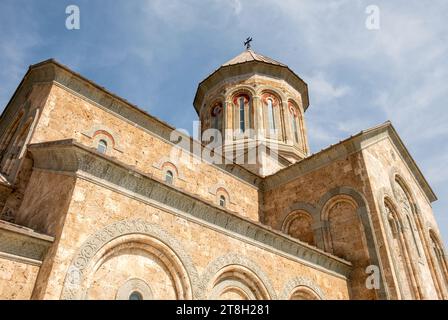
x=87, y=255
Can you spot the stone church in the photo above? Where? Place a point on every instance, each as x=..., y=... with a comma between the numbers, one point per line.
x=94, y=206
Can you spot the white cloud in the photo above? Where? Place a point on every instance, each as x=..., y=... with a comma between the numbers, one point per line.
x=323, y=91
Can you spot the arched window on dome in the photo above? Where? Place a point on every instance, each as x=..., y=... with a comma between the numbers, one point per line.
x=294, y=126
x=243, y=113
x=271, y=115
x=216, y=118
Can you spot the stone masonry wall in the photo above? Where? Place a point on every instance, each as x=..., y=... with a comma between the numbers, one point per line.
x=383, y=164
x=93, y=208
x=16, y=279
x=69, y=116
x=312, y=192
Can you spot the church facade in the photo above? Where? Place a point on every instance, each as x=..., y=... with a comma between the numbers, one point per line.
x=94, y=203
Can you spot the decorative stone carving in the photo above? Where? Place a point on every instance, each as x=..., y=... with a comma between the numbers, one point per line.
x=226, y=284
x=299, y=282
x=72, y=288
x=238, y=260
x=23, y=242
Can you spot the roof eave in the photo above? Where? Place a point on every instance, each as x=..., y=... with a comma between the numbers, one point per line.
x=214, y=73
x=355, y=141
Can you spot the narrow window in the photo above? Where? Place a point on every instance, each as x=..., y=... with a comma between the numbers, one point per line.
x=216, y=120
x=222, y=201
x=250, y=117
x=169, y=177
x=102, y=146
x=135, y=296
x=413, y=235
x=242, y=115
x=216, y=115
x=271, y=115
x=294, y=126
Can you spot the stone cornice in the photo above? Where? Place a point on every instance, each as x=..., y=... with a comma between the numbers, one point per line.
x=23, y=244
x=70, y=157
x=344, y=148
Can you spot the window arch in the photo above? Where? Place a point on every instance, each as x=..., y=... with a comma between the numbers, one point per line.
x=244, y=118
x=301, y=288
x=304, y=293
x=169, y=172
x=214, y=120
x=399, y=249
x=272, y=111
x=297, y=124
x=271, y=116
x=298, y=224
x=216, y=116
x=242, y=114
x=237, y=282
x=407, y=209
x=102, y=146
x=222, y=197
x=294, y=123
x=439, y=255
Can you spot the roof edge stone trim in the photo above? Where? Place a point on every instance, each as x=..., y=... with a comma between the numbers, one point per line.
x=345, y=147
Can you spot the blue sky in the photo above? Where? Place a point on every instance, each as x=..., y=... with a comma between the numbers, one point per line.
x=154, y=53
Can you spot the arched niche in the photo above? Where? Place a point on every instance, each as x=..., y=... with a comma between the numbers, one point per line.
x=302, y=288
x=348, y=232
x=126, y=244
x=299, y=224
x=238, y=277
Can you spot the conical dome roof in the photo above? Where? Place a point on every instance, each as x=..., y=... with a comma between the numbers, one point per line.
x=249, y=55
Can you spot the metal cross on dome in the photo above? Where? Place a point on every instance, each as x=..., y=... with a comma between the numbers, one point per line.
x=247, y=42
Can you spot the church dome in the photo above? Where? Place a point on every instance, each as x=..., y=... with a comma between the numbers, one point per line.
x=250, y=61
x=253, y=101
